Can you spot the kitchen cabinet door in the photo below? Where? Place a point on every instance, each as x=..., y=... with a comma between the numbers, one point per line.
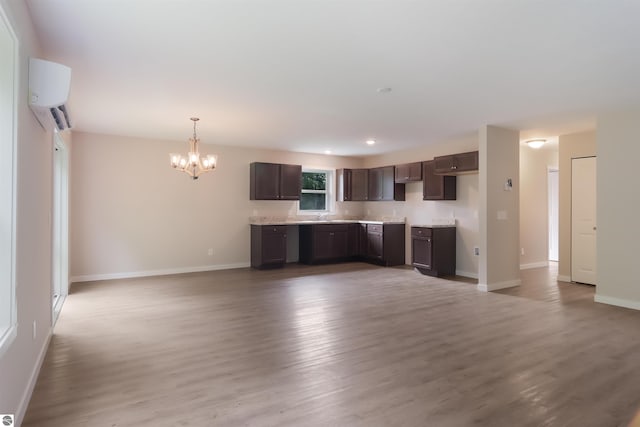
x=265, y=181
x=323, y=242
x=290, y=182
x=375, y=248
x=359, y=184
x=382, y=185
x=457, y=163
x=421, y=247
x=437, y=187
x=408, y=172
x=352, y=185
x=274, y=181
x=268, y=245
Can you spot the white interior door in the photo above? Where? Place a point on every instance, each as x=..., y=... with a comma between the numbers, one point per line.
x=583, y=220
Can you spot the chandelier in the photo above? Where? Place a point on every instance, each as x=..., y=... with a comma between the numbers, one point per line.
x=193, y=165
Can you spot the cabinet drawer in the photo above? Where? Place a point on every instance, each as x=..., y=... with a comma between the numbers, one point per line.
x=374, y=228
x=330, y=227
x=421, y=232
x=274, y=229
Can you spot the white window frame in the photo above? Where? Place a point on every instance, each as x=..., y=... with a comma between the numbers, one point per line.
x=329, y=202
x=8, y=156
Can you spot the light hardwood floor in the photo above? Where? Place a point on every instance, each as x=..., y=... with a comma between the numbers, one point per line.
x=340, y=345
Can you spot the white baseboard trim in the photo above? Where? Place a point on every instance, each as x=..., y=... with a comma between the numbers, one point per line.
x=564, y=278
x=534, y=265
x=164, y=272
x=466, y=274
x=620, y=302
x=488, y=287
x=26, y=396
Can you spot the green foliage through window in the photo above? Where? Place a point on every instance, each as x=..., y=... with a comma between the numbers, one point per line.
x=314, y=181
x=314, y=193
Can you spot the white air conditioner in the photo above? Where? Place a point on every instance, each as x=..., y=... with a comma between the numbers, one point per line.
x=49, y=85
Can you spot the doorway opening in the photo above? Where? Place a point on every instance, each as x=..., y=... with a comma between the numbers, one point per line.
x=60, y=226
x=554, y=212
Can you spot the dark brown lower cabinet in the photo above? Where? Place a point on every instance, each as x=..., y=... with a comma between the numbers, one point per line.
x=433, y=250
x=384, y=244
x=323, y=243
x=268, y=246
x=376, y=243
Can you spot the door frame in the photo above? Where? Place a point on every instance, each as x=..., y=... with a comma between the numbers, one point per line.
x=550, y=214
x=59, y=226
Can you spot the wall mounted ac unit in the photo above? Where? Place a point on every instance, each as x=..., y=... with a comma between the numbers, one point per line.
x=49, y=85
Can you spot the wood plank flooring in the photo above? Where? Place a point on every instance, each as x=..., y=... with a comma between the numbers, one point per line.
x=341, y=345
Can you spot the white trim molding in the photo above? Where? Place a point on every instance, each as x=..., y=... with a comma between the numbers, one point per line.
x=466, y=274
x=33, y=379
x=534, y=265
x=163, y=272
x=488, y=287
x=620, y=302
x=564, y=278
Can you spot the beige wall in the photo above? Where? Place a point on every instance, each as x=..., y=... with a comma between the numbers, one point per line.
x=417, y=211
x=149, y=219
x=534, y=205
x=499, y=209
x=134, y=215
x=618, y=205
x=19, y=364
x=574, y=145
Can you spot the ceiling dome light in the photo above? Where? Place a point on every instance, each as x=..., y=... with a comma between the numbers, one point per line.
x=536, y=143
x=327, y=151
x=371, y=141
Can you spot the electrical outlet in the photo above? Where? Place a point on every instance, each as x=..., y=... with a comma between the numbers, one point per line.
x=210, y=251
x=476, y=251
x=35, y=328
x=521, y=251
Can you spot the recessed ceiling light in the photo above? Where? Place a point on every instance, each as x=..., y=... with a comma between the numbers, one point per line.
x=384, y=89
x=327, y=151
x=371, y=141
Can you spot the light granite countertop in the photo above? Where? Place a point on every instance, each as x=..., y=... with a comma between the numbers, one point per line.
x=434, y=225
x=299, y=221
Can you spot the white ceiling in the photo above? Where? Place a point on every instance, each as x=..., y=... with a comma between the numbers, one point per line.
x=303, y=75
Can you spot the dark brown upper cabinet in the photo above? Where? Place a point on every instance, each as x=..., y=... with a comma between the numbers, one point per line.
x=274, y=181
x=352, y=185
x=437, y=187
x=382, y=185
x=409, y=172
x=455, y=164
